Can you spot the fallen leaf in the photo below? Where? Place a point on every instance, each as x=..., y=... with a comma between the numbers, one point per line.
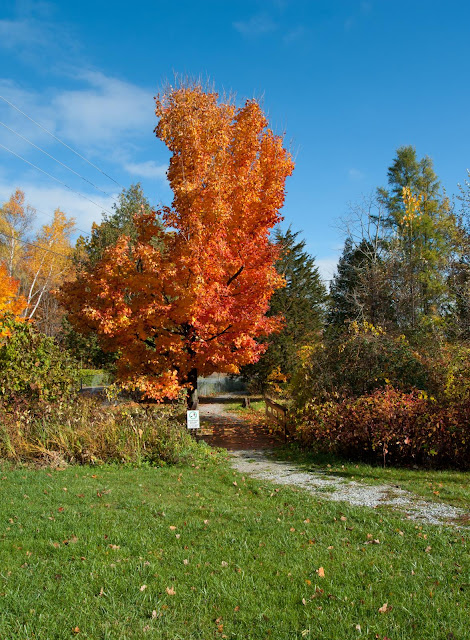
x=143, y=587
x=172, y=527
x=428, y=549
x=321, y=572
x=384, y=608
x=170, y=591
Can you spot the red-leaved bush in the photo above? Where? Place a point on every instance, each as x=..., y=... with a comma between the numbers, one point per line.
x=390, y=426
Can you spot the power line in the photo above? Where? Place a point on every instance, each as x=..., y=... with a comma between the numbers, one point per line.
x=61, y=142
x=44, y=213
x=56, y=160
x=36, y=246
x=54, y=178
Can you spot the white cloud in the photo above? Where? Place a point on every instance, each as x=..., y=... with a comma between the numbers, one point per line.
x=257, y=25
x=107, y=110
x=15, y=34
x=355, y=174
x=108, y=117
x=327, y=267
x=148, y=169
x=33, y=37
x=296, y=34
x=47, y=199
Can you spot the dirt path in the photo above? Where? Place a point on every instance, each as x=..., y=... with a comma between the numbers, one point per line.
x=250, y=445
x=223, y=428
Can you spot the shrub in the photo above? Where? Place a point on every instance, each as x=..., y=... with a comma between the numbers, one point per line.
x=33, y=367
x=389, y=425
x=357, y=362
x=85, y=431
x=94, y=377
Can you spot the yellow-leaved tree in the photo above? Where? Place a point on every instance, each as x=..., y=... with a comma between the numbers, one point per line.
x=47, y=264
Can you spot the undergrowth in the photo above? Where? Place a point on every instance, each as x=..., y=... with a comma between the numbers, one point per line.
x=84, y=430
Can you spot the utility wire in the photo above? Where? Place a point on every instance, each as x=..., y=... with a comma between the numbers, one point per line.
x=61, y=142
x=56, y=179
x=36, y=246
x=55, y=159
x=44, y=213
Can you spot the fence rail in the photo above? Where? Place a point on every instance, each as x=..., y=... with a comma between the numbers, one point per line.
x=278, y=413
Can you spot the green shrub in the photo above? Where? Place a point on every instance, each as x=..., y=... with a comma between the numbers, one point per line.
x=94, y=377
x=357, y=362
x=33, y=367
x=83, y=430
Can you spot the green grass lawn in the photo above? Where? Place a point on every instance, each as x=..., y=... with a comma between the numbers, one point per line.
x=258, y=406
x=185, y=552
x=451, y=487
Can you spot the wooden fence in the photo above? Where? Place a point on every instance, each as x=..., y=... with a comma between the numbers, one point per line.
x=278, y=413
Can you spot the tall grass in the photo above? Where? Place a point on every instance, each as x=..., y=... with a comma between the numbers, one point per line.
x=85, y=431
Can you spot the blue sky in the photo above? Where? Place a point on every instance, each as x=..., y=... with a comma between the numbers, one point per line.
x=348, y=81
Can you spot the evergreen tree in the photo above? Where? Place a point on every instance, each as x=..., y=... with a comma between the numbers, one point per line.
x=360, y=289
x=132, y=201
x=418, y=175
x=301, y=302
x=423, y=244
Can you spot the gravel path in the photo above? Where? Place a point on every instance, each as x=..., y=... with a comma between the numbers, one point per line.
x=249, y=448
x=257, y=464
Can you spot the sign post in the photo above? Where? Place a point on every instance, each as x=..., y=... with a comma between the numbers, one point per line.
x=192, y=419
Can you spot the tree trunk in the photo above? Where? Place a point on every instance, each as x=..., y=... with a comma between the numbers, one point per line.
x=192, y=398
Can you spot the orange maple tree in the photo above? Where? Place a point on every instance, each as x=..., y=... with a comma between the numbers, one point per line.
x=11, y=304
x=190, y=297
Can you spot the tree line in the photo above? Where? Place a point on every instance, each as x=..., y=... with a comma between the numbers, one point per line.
x=211, y=283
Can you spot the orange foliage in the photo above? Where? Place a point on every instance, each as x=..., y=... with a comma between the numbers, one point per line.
x=192, y=298
x=10, y=301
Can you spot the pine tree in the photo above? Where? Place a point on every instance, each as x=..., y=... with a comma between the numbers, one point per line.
x=131, y=202
x=423, y=244
x=301, y=302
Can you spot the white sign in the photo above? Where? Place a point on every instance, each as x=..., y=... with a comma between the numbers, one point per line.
x=192, y=419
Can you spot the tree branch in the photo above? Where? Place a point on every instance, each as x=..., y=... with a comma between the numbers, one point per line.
x=220, y=334
x=235, y=275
